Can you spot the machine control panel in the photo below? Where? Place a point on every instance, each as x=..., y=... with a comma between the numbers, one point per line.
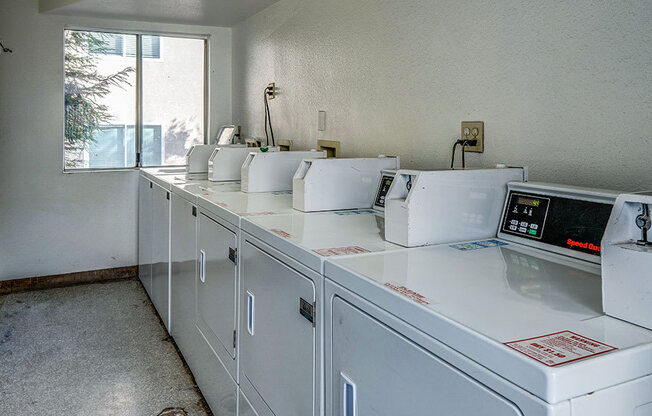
x=383, y=189
x=569, y=223
x=526, y=215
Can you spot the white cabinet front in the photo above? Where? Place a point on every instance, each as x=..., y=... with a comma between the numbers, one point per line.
x=277, y=349
x=376, y=371
x=216, y=285
x=160, y=251
x=145, y=233
x=183, y=267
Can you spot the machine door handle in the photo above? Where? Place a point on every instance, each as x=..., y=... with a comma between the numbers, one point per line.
x=349, y=402
x=251, y=312
x=202, y=266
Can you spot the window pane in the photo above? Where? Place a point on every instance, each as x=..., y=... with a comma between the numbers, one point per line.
x=151, y=47
x=99, y=100
x=173, y=98
x=108, y=150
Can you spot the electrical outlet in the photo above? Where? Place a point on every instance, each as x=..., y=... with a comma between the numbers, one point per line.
x=473, y=130
x=332, y=147
x=271, y=90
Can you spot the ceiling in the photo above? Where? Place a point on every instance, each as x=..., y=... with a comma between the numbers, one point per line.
x=194, y=12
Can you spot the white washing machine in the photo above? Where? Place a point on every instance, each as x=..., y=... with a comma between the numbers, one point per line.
x=511, y=325
x=218, y=283
x=282, y=288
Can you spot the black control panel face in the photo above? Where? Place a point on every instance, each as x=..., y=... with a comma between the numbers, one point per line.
x=385, y=183
x=563, y=222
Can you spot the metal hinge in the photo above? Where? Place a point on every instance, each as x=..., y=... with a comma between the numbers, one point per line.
x=235, y=337
x=194, y=211
x=233, y=255
x=167, y=196
x=137, y=159
x=151, y=185
x=307, y=310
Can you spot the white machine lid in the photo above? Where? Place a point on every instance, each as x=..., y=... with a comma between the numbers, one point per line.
x=476, y=297
x=233, y=206
x=192, y=190
x=311, y=238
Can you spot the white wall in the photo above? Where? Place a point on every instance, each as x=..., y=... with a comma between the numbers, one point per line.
x=562, y=86
x=52, y=222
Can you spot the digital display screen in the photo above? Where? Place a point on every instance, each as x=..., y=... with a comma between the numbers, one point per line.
x=530, y=202
x=563, y=222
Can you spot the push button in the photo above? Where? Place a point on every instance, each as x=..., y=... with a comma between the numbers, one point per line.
x=534, y=226
x=522, y=230
x=524, y=224
x=514, y=222
x=513, y=227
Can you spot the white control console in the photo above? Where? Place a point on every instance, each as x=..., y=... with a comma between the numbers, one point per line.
x=272, y=172
x=332, y=184
x=197, y=160
x=627, y=260
x=225, y=162
x=435, y=207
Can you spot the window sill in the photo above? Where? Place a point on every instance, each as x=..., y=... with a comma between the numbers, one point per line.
x=104, y=170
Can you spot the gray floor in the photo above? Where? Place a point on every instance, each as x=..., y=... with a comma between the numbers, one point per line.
x=96, y=349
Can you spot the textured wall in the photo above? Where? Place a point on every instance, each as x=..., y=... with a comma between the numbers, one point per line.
x=564, y=87
x=51, y=222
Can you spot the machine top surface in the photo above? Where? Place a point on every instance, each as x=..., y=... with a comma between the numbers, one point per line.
x=476, y=297
x=233, y=206
x=310, y=238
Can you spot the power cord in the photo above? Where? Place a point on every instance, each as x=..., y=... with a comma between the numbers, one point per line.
x=5, y=49
x=463, y=143
x=269, y=90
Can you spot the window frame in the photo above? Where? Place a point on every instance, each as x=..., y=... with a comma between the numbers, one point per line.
x=139, y=90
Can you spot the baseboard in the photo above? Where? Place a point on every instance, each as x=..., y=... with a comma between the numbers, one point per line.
x=67, y=279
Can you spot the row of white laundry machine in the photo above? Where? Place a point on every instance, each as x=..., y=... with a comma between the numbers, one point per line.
x=310, y=286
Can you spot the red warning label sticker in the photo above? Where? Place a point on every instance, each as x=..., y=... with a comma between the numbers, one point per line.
x=560, y=348
x=408, y=293
x=340, y=251
x=281, y=233
x=255, y=214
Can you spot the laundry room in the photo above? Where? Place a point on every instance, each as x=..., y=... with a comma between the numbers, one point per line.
x=325, y=208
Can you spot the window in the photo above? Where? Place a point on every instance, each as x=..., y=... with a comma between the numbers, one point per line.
x=105, y=82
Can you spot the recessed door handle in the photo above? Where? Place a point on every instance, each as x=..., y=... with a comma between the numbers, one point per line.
x=349, y=405
x=202, y=266
x=251, y=312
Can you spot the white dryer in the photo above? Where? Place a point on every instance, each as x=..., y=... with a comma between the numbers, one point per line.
x=511, y=325
x=282, y=282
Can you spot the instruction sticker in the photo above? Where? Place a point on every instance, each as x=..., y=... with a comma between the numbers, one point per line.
x=560, y=348
x=408, y=293
x=281, y=233
x=340, y=251
x=475, y=245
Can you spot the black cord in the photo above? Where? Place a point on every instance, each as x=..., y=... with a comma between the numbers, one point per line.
x=266, y=110
x=453, y=154
x=5, y=49
x=268, y=118
x=463, y=143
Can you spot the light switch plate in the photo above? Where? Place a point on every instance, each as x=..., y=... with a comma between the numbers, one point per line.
x=321, y=121
x=473, y=130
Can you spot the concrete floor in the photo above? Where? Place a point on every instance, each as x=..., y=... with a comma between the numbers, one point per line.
x=96, y=349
